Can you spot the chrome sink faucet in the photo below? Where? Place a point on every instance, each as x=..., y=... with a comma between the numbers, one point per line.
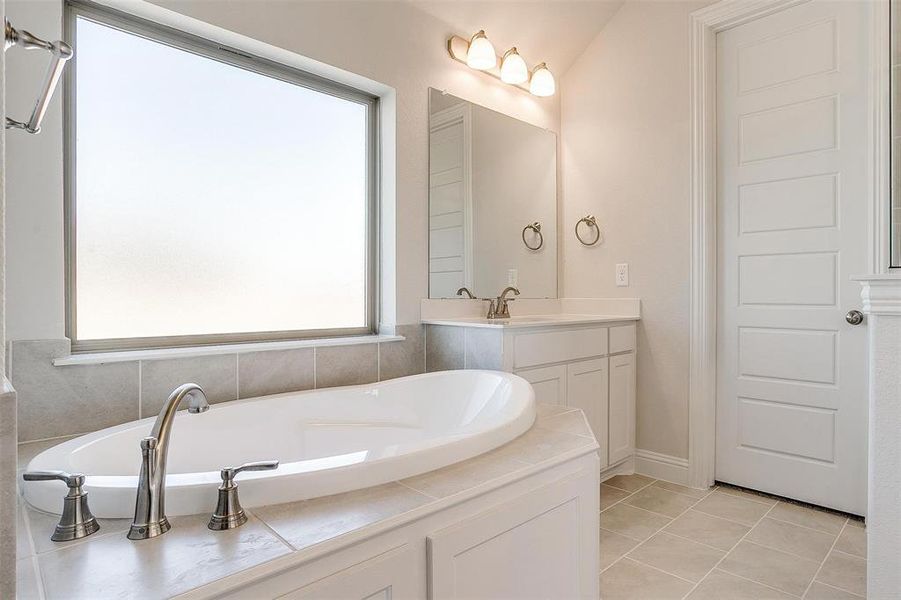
x=150, y=504
x=499, y=307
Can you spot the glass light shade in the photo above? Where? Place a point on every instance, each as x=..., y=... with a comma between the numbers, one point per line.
x=513, y=68
x=481, y=53
x=542, y=83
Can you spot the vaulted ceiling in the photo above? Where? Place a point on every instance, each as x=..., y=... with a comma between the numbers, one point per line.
x=553, y=31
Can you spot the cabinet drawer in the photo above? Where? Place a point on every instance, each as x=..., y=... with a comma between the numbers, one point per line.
x=558, y=346
x=622, y=338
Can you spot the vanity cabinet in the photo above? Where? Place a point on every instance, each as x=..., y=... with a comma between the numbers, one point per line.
x=593, y=369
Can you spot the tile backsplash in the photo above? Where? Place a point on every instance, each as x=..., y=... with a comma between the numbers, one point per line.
x=55, y=401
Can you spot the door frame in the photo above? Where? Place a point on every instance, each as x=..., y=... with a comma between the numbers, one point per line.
x=705, y=24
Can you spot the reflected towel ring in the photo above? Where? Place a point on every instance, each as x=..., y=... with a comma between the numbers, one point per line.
x=591, y=221
x=536, y=227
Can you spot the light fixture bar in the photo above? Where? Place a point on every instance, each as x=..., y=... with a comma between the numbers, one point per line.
x=457, y=48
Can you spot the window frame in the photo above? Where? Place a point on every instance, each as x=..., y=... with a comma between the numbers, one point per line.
x=213, y=50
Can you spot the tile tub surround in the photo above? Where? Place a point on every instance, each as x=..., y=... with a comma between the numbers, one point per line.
x=57, y=401
x=660, y=540
x=107, y=564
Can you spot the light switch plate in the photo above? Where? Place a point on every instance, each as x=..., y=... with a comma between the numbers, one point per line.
x=622, y=275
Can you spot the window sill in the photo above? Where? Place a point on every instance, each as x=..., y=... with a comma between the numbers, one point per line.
x=95, y=358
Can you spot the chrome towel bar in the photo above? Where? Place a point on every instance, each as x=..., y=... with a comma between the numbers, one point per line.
x=60, y=51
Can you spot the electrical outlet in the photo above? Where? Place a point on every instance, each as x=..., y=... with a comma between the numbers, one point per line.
x=622, y=275
x=513, y=277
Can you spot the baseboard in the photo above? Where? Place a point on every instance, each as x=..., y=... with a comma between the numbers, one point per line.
x=662, y=466
x=623, y=467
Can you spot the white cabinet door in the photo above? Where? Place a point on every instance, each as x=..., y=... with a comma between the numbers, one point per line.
x=586, y=388
x=621, y=440
x=541, y=545
x=549, y=383
x=387, y=576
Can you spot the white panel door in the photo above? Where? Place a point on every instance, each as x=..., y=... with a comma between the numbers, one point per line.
x=792, y=230
x=450, y=211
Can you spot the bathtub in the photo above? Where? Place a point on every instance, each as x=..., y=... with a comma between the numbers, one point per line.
x=328, y=441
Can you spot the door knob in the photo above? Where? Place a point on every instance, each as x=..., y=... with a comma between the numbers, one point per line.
x=854, y=317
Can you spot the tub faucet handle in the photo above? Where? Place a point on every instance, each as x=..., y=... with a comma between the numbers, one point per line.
x=229, y=514
x=76, y=521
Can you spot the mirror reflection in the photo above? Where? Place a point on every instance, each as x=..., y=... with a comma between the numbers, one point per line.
x=492, y=202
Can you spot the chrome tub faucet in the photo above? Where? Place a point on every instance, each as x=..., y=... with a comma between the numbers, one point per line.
x=150, y=504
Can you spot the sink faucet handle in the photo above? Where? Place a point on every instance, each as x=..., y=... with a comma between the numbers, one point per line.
x=228, y=473
x=77, y=521
x=492, y=307
x=229, y=513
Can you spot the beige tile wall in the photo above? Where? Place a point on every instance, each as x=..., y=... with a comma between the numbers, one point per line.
x=450, y=348
x=60, y=401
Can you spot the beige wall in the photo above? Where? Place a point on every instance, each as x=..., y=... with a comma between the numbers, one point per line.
x=625, y=138
x=392, y=43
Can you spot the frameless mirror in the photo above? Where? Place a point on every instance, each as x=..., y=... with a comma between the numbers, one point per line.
x=492, y=202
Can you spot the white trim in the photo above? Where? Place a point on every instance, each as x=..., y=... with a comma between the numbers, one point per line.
x=880, y=136
x=624, y=467
x=881, y=294
x=704, y=25
x=662, y=466
x=95, y=358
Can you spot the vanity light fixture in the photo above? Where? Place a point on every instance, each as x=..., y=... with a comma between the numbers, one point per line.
x=542, y=82
x=513, y=68
x=481, y=54
x=478, y=53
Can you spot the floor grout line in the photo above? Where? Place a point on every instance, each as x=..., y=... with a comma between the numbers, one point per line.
x=774, y=549
x=835, y=587
x=825, y=558
x=760, y=583
x=728, y=552
x=808, y=528
x=694, y=541
x=748, y=496
x=644, y=564
x=671, y=519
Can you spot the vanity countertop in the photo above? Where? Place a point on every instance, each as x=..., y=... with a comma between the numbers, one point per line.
x=193, y=561
x=526, y=321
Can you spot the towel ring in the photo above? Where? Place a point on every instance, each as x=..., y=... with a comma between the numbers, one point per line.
x=536, y=227
x=591, y=221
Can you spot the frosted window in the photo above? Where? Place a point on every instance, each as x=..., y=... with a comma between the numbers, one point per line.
x=211, y=199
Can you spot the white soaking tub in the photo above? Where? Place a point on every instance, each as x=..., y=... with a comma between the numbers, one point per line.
x=328, y=441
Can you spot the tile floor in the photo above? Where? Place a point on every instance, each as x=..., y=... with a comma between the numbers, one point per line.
x=662, y=541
